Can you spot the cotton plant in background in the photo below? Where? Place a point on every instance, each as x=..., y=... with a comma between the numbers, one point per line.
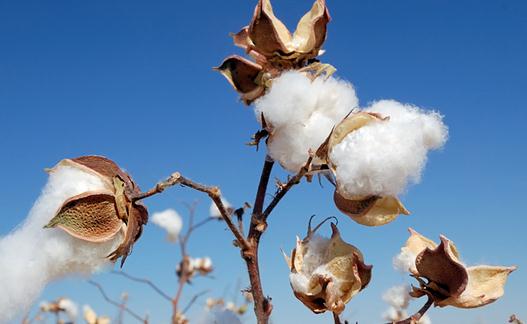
x=398, y=299
x=73, y=228
x=170, y=221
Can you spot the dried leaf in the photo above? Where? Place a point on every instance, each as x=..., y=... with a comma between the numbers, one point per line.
x=244, y=76
x=485, y=285
x=372, y=210
x=442, y=268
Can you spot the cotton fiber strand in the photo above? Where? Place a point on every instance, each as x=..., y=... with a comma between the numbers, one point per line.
x=382, y=157
x=170, y=221
x=302, y=113
x=31, y=256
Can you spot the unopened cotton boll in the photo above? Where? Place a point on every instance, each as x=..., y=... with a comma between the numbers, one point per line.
x=381, y=158
x=300, y=114
x=170, y=221
x=31, y=256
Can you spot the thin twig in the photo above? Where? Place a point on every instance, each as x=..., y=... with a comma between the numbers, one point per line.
x=193, y=300
x=145, y=281
x=213, y=192
x=417, y=316
x=285, y=188
x=117, y=304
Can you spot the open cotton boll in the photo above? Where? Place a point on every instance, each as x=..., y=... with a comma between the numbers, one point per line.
x=170, y=221
x=31, y=256
x=214, y=211
x=382, y=157
x=301, y=114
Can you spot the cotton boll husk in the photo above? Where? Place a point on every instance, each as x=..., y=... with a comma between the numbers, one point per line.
x=397, y=296
x=382, y=157
x=31, y=256
x=301, y=114
x=170, y=221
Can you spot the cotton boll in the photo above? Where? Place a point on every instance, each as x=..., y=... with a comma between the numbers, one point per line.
x=170, y=221
x=69, y=307
x=214, y=211
x=31, y=256
x=382, y=157
x=301, y=114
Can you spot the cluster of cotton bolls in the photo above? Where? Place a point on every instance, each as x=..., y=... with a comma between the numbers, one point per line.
x=203, y=266
x=380, y=158
x=170, y=221
x=31, y=257
x=398, y=299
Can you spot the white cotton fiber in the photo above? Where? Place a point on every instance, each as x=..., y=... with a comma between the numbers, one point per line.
x=302, y=113
x=170, y=221
x=381, y=158
x=31, y=256
x=397, y=296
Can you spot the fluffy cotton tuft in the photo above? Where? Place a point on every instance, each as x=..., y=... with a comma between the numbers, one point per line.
x=31, y=256
x=381, y=158
x=397, y=296
x=404, y=261
x=214, y=211
x=313, y=263
x=302, y=113
x=170, y=221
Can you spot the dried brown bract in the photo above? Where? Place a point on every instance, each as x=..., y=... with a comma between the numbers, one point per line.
x=444, y=278
x=268, y=41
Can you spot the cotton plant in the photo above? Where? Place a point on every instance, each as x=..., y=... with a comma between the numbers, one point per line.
x=90, y=214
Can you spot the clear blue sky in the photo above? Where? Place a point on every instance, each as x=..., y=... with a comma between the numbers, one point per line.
x=132, y=80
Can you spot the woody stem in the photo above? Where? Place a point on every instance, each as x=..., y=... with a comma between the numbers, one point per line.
x=417, y=316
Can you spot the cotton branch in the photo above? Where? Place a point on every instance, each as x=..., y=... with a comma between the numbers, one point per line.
x=213, y=192
x=145, y=281
x=193, y=300
x=417, y=316
x=117, y=304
